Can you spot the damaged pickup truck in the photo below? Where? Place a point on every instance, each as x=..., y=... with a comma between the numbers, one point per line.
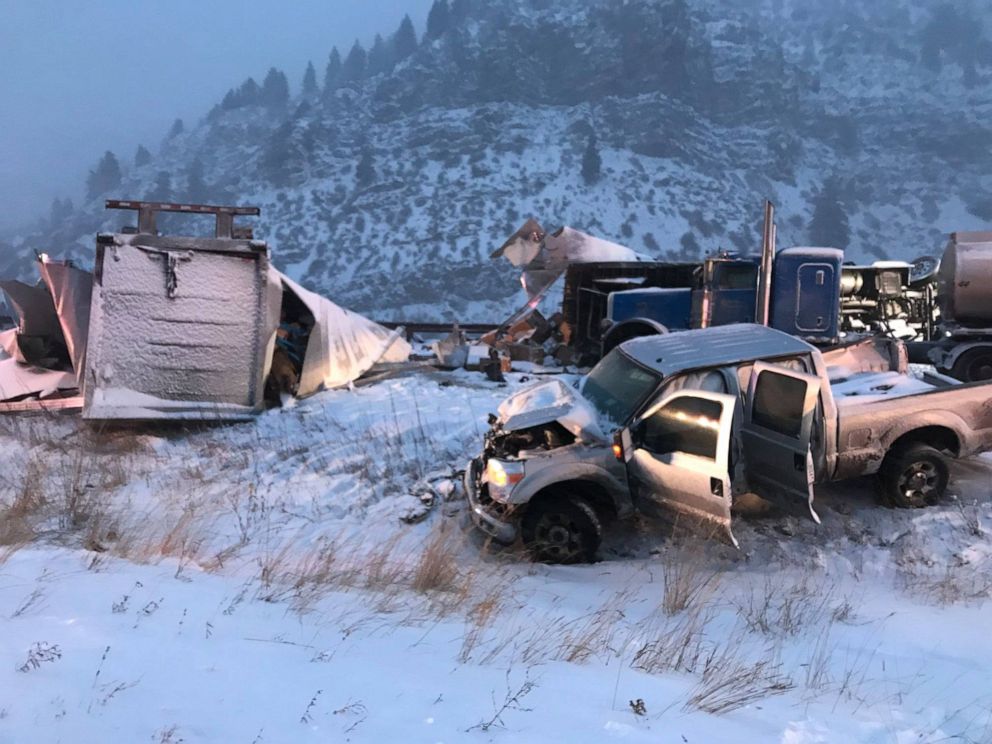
x=683, y=424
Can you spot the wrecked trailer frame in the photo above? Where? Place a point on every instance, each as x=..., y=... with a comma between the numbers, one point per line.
x=179, y=328
x=189, y=328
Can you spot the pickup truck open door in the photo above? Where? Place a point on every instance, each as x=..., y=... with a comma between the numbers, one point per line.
x=778, y=426
x=677, y=455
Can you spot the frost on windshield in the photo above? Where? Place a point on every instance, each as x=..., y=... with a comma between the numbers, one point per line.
x=617, y=387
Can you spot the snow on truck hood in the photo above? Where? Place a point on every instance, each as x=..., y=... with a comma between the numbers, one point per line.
x=552, y=401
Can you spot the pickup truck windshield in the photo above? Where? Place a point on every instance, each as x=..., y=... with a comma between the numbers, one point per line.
x=617, y=386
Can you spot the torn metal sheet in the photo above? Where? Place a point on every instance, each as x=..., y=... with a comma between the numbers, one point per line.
x=342, y=345
x=39, y=338
x=545, y=256
x=522, y=247
x=567, y=245
x=71, y=291
x=19, y=381
x=34, y=308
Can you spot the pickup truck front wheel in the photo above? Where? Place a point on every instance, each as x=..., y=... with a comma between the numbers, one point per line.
x=915, y=476
x=561, y=530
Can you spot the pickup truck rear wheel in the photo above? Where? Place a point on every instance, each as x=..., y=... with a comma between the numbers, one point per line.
x=914, y=476
x=561, y=530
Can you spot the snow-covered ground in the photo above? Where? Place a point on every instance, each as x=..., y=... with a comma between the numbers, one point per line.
x=256, y=583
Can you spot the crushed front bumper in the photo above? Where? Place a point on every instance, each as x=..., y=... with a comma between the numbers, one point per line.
x=483, y=515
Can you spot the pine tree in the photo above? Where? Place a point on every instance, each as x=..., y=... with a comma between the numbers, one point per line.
x=55, y=213
x=142, y=157
x=365, y=170
x=380, y=57
x=460, y=10
x=278, y=162
x=176, y=129
x=404, y=40
x=354, y=65
x=105, y=177
x=592, y=163
x=438, y=19
x=196, y=185
x=249, y=94
x=275, y=89
x=309, y=87
x=161, y=190
x=829, y=226
x=61, y=210
x=332, y=73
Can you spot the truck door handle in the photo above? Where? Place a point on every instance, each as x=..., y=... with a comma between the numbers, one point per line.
x=716, y=487
x=799, y=461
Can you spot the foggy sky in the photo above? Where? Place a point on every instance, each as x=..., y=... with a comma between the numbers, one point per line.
x=79, y=78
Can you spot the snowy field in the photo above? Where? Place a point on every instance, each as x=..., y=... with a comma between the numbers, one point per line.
x=258, y=583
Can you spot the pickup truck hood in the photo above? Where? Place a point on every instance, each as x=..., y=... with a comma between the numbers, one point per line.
x=552, y=401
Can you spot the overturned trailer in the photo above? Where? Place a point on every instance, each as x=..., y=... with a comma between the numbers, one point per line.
x=173, y=327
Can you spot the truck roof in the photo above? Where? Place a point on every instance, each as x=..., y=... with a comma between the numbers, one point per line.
x=718, y=346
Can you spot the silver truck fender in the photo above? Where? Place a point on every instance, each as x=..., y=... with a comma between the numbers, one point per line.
x=902, y=425
x=587, y=472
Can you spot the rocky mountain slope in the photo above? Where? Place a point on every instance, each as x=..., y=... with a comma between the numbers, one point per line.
x=661, y=125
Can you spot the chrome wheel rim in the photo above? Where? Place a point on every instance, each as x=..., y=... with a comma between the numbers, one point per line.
x=558, y=537
x=918, y=482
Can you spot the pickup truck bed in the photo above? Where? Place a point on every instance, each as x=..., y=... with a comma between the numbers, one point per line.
x=874, y=386
x=956, y=418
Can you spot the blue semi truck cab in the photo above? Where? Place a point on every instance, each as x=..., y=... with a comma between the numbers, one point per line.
x=805, y=296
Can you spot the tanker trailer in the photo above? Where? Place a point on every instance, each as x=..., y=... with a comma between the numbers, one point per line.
x=963, y=336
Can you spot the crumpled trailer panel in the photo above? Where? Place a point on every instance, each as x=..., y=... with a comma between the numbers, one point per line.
x=343, y=345
x=179, y=328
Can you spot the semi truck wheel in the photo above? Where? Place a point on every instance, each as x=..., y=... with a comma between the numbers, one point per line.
x=914, y=476
x=974, y=365
x=561, y=530
x=628, y=330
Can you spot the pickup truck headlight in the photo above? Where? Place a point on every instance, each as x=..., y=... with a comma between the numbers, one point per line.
x=503, y=475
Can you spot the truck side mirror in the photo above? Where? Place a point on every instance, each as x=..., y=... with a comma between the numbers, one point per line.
x=624, y=443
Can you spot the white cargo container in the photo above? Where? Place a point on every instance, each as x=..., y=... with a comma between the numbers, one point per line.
x=179, y=328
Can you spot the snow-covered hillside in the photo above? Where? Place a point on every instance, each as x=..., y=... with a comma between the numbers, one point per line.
x=388, y=186
x=255, y=583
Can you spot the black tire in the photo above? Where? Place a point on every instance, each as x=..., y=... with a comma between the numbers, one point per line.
x=561, y=530
x=974, y=365
x=626, y=333
x=914, y=476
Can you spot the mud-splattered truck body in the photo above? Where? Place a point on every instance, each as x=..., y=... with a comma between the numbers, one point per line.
x=683, y=424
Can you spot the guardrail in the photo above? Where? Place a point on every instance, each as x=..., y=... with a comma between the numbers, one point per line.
x=411, y=329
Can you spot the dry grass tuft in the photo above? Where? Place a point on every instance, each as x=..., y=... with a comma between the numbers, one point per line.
x=437, y=570
x=688, y=576
x=730, y=682
x=673, y=644
x=479, y=620
x=948, y=585
x=780, y=607
x=15, y=532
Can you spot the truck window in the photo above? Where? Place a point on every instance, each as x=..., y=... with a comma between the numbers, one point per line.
x=736, y=276
x=710, y=380
x=617, y=386
x=778, y=403
x=795, y=364
x=686, y=424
